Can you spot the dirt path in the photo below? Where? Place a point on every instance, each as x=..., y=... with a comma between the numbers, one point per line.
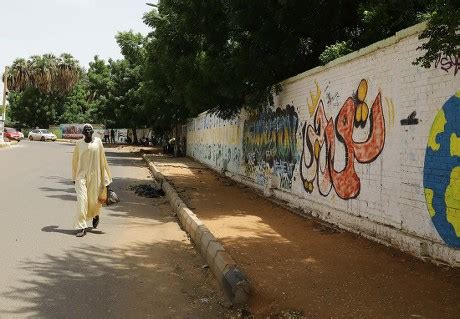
x=297, y=264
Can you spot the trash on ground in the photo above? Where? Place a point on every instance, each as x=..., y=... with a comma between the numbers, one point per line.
x=148, y=191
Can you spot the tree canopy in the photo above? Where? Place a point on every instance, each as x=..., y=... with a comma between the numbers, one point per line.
x=220, y=56
x=229, y=54
x=47, y=73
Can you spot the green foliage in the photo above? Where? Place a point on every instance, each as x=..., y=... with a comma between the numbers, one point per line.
x=442, y=32
x=100, y=86
x=32, y=107
x=47, y=73
x=216, y=55
x=229, y=54
x=335, y=51
x=226, y=55
x=382, y=19
x=114, y=88
x=76, y=108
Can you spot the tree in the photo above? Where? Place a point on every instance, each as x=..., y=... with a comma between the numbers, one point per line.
x=225, y=55
x=125, y=101
x=32, y=107
x=77, y=107
x=442, y=32
x=48, y=90
x=382, y=19
x=46, y=73
x=115, y=87
x=99, y=88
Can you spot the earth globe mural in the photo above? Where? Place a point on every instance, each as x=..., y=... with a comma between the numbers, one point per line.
x=441, y=174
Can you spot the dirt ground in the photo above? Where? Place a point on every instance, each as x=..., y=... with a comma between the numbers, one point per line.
x=299, y=266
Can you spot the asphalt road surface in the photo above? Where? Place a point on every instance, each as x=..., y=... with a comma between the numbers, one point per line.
x=137, y=264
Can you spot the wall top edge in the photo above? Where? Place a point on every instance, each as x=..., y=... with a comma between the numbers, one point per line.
x=415, y=29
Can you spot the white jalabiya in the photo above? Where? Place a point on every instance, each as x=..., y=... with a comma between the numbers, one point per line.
x=91, y=174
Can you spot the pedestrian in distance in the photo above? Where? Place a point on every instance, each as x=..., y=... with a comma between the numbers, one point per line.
x=112, y=136
x=106, y=135
x=91, y=176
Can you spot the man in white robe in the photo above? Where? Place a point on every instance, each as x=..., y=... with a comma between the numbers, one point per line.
x=91, y=175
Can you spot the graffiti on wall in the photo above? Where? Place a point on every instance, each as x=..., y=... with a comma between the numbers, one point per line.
x=222, y=156
x=318, y=160
x=441, y=173
x=447, y=63
x=270, y=145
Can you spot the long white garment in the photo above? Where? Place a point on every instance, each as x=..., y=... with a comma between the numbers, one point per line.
x=91, y=175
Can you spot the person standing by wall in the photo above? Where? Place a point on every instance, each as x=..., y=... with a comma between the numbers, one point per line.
x=112, y=136
x=91, y=176
x=106, y=135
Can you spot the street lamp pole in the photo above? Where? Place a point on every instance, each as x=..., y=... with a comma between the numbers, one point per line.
x=5, y=92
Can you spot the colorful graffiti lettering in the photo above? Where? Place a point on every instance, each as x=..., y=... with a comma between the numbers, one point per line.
x=446, y=62
x=441, y=173
x=319, y=148
x=270, y=145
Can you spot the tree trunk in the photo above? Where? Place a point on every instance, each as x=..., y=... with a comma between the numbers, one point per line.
x=176, y=144
x=134, y=136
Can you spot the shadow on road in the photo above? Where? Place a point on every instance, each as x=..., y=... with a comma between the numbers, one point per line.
x=55, y=229
x=104, y=282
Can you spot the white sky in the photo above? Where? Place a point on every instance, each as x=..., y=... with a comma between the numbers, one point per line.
x=82, y=28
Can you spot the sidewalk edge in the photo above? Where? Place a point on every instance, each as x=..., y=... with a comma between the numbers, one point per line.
x=229, y=276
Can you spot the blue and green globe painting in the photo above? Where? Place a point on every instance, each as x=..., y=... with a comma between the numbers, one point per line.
x=441, y=174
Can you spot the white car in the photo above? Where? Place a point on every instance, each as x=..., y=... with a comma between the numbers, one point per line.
x=41, y=135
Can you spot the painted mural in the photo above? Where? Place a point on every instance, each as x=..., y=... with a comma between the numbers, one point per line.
x=441, y=173
x=318, y=160
x=270, y=145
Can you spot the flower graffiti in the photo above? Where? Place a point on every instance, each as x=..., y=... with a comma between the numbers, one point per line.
x=319, y=144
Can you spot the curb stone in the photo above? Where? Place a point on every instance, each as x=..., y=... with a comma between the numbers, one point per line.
x=232, y=280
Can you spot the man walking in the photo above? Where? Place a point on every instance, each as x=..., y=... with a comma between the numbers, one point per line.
x=91, y=175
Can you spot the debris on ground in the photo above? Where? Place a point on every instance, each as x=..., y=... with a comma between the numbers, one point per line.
x=147, y=190
x=289, y=314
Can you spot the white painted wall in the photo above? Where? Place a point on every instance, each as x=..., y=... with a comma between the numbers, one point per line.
x=391, y=205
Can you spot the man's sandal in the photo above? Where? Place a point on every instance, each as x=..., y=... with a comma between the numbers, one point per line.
x=81, y=233
x=95, y=221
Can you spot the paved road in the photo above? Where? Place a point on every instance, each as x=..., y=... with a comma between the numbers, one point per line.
x=137, y=264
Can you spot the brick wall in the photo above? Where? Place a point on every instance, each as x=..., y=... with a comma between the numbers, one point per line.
x=340, y=143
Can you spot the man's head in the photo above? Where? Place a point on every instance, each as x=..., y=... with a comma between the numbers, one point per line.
x=88, y=131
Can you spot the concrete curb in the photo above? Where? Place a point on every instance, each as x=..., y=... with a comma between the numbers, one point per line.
x=232, y=280
x=62, y=140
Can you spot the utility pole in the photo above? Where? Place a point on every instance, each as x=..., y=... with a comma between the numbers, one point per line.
x=5, y=93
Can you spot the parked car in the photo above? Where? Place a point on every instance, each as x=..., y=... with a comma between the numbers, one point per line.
x=41, y=135
x=12, y=134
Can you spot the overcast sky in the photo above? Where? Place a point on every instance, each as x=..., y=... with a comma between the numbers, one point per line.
x=82, y=28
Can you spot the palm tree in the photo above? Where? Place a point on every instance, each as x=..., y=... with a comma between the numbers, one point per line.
x=19, y=75
x=47, y=73
x=68, y=72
